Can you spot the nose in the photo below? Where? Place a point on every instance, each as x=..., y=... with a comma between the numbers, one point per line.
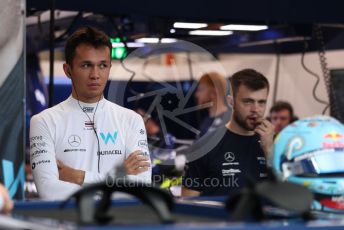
x=254, y=107
x=95, y=74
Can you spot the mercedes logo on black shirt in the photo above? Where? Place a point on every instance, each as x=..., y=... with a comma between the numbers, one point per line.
x=229, y=156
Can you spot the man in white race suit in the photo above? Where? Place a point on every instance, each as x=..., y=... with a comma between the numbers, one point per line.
x=82, y=139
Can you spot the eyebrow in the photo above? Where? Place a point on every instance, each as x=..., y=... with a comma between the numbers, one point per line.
x=88, y=61
x=251, y=99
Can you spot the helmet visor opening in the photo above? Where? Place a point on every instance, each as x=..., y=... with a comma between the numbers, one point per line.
x=323, y=162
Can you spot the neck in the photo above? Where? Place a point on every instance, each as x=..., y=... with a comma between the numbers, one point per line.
x=233, y=126
x=217, y=109
x=87, y=100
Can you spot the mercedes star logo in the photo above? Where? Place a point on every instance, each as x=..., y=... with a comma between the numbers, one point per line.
x=229, y=156
x=74, y=140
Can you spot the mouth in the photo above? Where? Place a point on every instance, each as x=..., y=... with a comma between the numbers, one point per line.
x=255, y=120
x=93, y=85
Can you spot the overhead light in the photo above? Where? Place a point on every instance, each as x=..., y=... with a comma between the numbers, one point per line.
x=210, y=32
x=172, y=31
x=189, y=25
x=168, y=40
x=129, y=44
x=135, y=44
x=156, y=40
x=243, y=27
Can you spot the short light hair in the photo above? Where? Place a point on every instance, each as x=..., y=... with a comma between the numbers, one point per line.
x=215, y=80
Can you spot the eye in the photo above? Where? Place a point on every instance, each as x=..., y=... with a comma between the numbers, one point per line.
x=85, y=65
x=262, y=102
x=103, y=66
x=248, y=102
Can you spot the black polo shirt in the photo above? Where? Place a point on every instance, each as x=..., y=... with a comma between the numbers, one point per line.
x=227, y=167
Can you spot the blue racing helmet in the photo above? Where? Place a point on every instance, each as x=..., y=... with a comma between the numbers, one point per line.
x=310, y=152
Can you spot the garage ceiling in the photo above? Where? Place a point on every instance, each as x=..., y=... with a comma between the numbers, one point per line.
x=289, y=22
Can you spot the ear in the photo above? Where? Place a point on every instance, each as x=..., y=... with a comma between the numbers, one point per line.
x=230, y=100
x=66, y=69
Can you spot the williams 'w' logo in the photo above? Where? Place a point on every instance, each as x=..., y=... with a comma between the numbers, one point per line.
x=108, y=137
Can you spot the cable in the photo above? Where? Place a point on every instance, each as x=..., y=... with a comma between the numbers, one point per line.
x=66, y=32
x=326, y=73
x=131, y=89
x=314, y=75
x=277, y=71
x=69, y=28
x=93, y=128
x=39, y=23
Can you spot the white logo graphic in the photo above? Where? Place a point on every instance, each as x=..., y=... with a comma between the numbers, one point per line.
x=229, y=156
x=228, y=172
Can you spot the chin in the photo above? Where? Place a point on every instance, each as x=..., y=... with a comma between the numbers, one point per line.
x=95, y=95
x=250, y=127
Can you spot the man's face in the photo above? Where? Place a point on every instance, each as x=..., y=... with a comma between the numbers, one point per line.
x=249, y=107
x=280, y=119
x=89, y=72
x=204, y=93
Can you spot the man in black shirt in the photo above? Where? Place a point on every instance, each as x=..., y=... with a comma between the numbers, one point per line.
x=241, y=153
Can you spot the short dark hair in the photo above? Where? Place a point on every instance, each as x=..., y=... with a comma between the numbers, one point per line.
x=87, y=35
x=282, y=105
x=250, y=78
